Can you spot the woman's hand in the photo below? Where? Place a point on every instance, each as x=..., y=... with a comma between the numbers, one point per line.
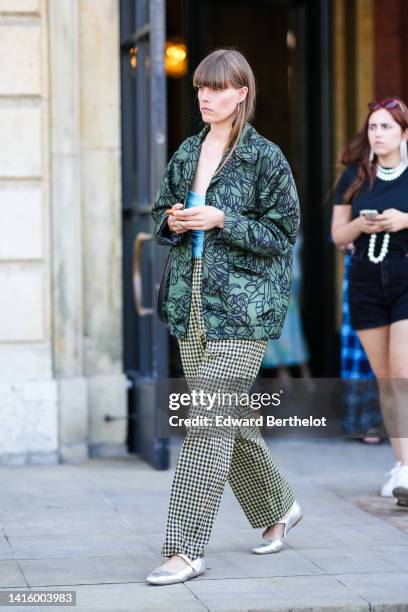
x=199, y=218
x=173, y=224
x=368, y=226
x=392, y=220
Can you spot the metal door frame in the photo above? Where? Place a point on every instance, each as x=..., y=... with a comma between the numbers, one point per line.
x=144, y=150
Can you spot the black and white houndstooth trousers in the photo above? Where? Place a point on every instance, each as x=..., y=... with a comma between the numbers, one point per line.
x=209, y=458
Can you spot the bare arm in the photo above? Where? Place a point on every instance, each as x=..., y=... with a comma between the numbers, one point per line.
x=345, y=230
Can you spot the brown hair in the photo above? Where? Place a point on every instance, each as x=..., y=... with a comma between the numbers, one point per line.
x=228, y=68
x=358, y=150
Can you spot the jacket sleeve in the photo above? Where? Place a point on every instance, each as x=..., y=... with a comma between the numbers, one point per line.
x=276, y=229
x=164, y=199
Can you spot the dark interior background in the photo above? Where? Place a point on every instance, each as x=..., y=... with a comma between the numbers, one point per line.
x=287, y=43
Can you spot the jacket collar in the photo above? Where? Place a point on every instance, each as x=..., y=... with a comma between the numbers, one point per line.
x=245, y=151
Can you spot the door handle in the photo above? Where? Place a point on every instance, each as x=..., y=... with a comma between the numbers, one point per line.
x=141, y=310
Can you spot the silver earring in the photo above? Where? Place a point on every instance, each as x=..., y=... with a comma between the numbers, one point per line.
x=403, y=151
x=371, y=156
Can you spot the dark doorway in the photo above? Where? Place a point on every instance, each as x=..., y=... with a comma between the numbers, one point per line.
x=288, y=44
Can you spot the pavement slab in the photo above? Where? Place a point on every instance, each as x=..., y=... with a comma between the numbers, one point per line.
x=277, y=593
x=11, y=575
x=98, y=527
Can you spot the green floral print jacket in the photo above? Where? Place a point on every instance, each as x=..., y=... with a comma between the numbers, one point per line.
x=247, y=265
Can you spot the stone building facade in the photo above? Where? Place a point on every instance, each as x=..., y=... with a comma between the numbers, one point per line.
x=60, y=231
x=62, y=319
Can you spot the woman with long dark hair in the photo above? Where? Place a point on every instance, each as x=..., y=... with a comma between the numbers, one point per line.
x=231, y=247
x=371, y=211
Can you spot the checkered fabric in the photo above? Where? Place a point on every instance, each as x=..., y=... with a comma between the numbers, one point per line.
x=361, y=397
x=211, y=456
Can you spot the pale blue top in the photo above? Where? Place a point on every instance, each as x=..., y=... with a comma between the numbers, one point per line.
x=196, y=199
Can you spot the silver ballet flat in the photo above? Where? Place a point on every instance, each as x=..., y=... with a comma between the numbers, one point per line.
x=274, y=545
x=161, y=576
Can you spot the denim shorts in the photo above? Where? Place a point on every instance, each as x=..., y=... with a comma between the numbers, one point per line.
x=378, y=293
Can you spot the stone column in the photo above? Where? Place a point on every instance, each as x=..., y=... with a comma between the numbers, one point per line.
x=101, y=221
x=67, y=230
x=353, y=87
x=28, y=393
x=60, y=231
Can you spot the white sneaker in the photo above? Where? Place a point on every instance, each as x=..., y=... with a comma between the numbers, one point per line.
x=400, y=490
x=386, y=491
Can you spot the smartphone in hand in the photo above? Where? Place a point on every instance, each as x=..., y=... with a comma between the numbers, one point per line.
x=369, y=214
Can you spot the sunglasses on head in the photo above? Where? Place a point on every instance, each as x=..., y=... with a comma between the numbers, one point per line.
x=387, y=103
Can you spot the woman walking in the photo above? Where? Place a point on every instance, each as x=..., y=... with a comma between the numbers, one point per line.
x=231, y=249
x=371, y=211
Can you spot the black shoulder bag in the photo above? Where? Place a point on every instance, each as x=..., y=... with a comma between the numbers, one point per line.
x=163, y=289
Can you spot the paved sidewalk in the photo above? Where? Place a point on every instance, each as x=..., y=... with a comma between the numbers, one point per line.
x=97, y=528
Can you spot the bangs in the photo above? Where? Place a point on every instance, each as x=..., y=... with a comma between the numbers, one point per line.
x=214, y=72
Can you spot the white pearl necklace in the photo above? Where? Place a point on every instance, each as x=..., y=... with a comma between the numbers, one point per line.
x=389, y=174
x=384, y=248
x=385, y=174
